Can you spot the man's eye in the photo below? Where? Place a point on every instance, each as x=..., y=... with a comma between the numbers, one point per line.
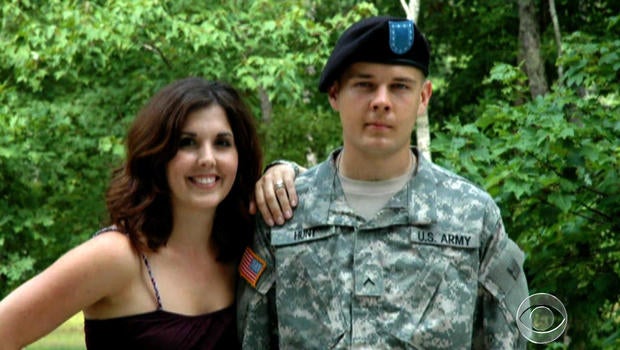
x=401, y=86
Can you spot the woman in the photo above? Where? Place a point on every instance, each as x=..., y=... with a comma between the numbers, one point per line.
x=162, y=276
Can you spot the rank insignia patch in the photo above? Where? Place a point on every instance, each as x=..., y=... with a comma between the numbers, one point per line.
x=251, y=266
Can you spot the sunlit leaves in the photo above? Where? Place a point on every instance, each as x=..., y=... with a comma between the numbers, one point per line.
x=553, y=166
x=74, y=73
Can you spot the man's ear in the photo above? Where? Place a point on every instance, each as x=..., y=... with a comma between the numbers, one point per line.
x=333, y=94
x=425, y=96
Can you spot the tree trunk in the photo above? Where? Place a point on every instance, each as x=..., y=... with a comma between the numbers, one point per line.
x=422, y=129
x=265, y=105
x=529, y=48
x=423, y=135
x=558, y=35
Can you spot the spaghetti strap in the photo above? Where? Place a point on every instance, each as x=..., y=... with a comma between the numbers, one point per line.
x=105, y=229
x=148, y=269
x=146, y=263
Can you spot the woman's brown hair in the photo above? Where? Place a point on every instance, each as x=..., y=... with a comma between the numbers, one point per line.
x=138, y=198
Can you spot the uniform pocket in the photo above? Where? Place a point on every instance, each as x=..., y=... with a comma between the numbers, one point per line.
x=433, y=290
x=413, y=302
x=306, y=295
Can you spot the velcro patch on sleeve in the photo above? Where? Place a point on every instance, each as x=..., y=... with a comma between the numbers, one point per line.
x=251, y=267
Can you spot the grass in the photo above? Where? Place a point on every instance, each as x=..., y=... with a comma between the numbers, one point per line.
x=69, y=336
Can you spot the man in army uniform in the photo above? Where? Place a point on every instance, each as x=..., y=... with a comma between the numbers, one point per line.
x=386, y=250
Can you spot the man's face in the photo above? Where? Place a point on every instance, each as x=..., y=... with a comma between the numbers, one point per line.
x=378, y=105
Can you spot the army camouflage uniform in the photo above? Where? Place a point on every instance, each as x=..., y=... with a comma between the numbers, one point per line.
x=434, y=269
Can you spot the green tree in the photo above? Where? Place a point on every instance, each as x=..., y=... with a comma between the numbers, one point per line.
x=73, y=74
x=553, y=164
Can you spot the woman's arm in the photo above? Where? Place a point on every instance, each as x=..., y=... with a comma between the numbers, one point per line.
x=81, y=277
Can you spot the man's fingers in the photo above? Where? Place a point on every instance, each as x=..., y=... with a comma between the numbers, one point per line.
x=272, y=200
x=283, y=201
x=260, y=203
x=275, y=194
x=289, y=181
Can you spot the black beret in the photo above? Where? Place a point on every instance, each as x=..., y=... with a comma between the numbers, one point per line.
x=380, y=39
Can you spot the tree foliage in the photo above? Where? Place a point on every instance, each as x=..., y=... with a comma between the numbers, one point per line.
x=74, y=73
x=553, y=165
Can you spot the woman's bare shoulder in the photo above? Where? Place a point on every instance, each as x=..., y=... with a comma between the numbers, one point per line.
x=113, y=250
x=96, y=270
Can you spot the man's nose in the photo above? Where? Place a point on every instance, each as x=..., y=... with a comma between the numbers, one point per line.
x=381, y=100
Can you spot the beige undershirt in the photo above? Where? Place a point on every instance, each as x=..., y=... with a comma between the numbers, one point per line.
x=367, y=197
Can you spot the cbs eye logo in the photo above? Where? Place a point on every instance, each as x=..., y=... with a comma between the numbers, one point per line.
x=541, y=318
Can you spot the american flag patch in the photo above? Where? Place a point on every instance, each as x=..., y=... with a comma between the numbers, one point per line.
x=251, y=266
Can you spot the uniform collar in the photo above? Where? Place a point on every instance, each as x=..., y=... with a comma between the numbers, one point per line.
x=412, y=205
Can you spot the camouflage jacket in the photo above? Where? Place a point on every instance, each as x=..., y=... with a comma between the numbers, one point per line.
x=434, y=269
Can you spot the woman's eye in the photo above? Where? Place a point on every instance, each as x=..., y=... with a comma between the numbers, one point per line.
x=223, y=143
x=186, y=142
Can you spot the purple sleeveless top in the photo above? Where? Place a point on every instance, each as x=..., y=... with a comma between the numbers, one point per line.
x=161, y=329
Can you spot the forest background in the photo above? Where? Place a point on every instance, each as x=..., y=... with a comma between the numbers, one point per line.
x=526, y=104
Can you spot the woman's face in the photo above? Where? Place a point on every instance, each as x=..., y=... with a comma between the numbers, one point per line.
x=203, y=171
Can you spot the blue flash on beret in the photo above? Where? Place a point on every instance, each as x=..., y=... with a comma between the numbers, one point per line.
x=401, y=36
x=380, y=39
